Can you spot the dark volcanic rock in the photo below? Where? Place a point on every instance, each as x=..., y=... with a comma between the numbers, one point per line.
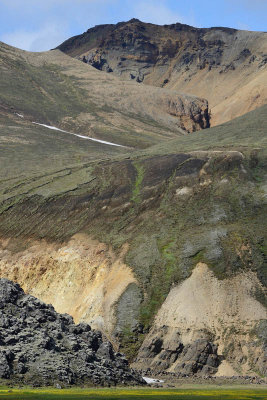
x=41, y=347
x=182, y=58
x=163, y=351
x=199, y=357
x=134, y=49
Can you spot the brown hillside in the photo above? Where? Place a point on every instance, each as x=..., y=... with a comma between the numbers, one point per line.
x=223, y=65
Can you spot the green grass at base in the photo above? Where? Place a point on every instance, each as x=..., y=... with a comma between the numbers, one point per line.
x=141, y=394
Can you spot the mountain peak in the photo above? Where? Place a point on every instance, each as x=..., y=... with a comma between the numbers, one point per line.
x=133, y=20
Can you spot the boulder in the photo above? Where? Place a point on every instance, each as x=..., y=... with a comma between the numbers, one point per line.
x=41, y=347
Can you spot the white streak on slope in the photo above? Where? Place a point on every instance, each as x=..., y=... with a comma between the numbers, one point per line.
x=80, y=136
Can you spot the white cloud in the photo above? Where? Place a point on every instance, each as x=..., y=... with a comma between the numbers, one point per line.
x=156, y=12
x=47, y=37
x=39, y=25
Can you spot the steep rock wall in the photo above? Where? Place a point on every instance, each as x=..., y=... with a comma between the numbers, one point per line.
x=81, y=277
x=206, y=309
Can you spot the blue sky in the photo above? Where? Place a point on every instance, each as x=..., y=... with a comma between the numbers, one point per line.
x=39, y=25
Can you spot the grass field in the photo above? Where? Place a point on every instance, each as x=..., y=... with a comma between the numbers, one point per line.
x=200, y=393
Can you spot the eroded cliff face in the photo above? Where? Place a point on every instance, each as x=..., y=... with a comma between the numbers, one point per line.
x=175, y=237
x=205, y=326
x=81, y=277
x=225, y=66
x=204, y=321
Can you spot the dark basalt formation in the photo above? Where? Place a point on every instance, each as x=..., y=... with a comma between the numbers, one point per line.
x=222, y=65
x=41, y=347
x=137, y=46
x=134, y=49
x=199, y=357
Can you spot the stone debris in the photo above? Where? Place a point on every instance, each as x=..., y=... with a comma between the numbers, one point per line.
x=38, y=346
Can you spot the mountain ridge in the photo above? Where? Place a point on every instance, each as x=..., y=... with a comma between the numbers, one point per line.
x=223, y=65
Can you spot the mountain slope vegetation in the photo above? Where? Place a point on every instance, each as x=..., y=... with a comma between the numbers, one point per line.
x=158, y=242
x=52, y=88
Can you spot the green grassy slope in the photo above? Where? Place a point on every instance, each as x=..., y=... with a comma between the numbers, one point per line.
x=43, y=93
x=52, y=88
x=244, y=133
x=28, y=149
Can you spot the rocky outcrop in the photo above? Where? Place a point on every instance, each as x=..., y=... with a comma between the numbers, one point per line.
x=94, y=284
x=225, y=66
x=41, y=347
x=204, y=321
x=198, y=357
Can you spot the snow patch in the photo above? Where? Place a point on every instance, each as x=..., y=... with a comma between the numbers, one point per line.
x=151, y=380
x=80, y=136
x=20, y=115
x=50, y=127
